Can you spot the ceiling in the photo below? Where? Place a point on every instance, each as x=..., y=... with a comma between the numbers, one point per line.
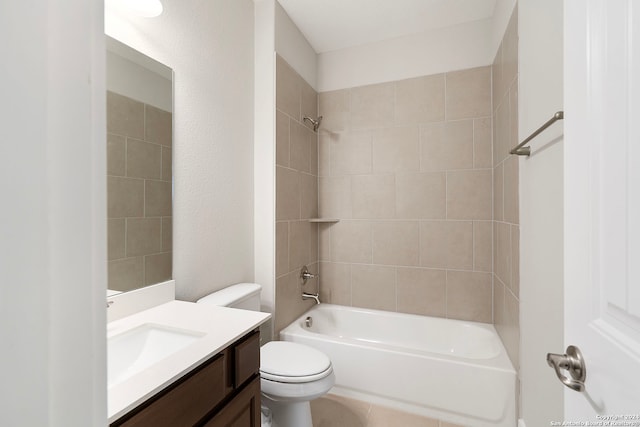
x=337, y=24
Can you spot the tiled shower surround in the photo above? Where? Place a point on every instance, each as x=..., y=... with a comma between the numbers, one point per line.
x=296, y=193
x=407, y=167
x=418, y=173
x=506, y=229
x=139, y=143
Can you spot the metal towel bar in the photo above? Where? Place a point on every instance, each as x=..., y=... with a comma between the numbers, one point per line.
x=526, y=151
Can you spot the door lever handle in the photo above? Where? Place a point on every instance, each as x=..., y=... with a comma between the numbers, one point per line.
x=573, y=362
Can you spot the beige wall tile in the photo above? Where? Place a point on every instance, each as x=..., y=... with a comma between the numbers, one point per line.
x=287, y=194
x=502, y=132
x=289, y=302
x=469, y=296
x=384, y=417
x=446, y=146
x=335, y=197
x=373, y=287
x=157, y=195
x=282, y=138
x=396, y=243
x=157, y=268
x=498, y=192
x=308, y=196
x=468, y=93
x=116, y=154
x=167, y=234
x=497, y=84
x=335, y=283
x=314, y=243
x=309, y=102
x=115, y=238
x=324, y=241
x=511, y=196
x=482, y=246
x=511, y=335
x=351, y=241
x=372, y=106
x=167, y=164
x=351, y=153
x=282, y=248
x=420, y=100
x=334, y=107
x=144, y=236
x=482, y=144
x=125, y=116
x=469, y=194
x=421, y=195
x=125, y=197
x=515, y=260
x=503, y=253
x=498, y=306
x=396, y=149
x=158, y=126
x=421, y=291
x=299, y=244
x=445, y=424
x=125, y=274
x=313, y=153
x=288, y=89
x=446, y=244
x=144, y=160
x=513, y=114
x=373, y=196
x=324, y=153
x=299, y=146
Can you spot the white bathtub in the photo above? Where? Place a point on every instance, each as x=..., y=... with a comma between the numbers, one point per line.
x=451, y=370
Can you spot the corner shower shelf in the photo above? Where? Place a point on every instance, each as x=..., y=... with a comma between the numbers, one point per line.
x=324, y=220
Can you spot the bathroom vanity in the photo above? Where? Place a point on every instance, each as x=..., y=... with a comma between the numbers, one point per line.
x=209, y=378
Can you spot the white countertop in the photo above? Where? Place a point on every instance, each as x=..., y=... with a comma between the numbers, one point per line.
x=221, y=326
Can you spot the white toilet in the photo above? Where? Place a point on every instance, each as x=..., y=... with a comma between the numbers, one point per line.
x=291, y=374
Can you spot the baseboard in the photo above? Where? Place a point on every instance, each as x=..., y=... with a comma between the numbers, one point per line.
x=521, y=423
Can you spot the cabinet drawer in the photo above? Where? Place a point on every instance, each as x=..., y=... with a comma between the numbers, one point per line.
x=246, y=359
x=185, y=403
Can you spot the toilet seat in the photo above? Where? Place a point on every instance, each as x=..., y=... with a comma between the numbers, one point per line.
x=289, y=362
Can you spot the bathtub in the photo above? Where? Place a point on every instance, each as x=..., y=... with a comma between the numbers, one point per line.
x=451, y=370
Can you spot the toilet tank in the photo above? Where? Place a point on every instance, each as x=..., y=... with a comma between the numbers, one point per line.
x=245, y=296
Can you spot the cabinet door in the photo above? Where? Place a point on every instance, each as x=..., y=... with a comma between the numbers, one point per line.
x=185, y=403
x=242, y=411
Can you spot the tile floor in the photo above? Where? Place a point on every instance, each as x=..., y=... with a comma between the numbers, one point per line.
x=337, y=411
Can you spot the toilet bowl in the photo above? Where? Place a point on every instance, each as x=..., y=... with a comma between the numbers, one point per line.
x=291, y=374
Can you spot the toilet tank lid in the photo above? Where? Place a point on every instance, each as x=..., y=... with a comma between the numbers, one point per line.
x=231, y=294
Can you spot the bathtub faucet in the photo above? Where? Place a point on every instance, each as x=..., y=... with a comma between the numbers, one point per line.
x=315, y=297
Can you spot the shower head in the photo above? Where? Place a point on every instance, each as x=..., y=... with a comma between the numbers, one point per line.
x=315, y=123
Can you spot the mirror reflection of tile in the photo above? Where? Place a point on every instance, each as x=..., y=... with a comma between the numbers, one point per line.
x=139, y=190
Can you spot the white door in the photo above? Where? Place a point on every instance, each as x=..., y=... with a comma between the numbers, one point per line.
x=602, y=207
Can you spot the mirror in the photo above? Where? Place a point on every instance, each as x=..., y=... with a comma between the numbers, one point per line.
x=139, y=168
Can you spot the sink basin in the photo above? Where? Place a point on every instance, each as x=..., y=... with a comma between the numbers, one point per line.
x=137, y=349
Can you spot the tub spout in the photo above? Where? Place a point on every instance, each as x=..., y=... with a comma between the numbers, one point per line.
x=315, y=297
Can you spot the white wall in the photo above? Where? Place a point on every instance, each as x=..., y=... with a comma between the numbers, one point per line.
x=53, y=225
x=209, y=45
x=541, y=209
x=438, y=51
x=294, y=47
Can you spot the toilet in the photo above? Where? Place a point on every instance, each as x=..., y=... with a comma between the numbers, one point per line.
x=291, y=374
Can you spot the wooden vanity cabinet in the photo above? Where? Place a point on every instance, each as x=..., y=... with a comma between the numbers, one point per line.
x=223, y=392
